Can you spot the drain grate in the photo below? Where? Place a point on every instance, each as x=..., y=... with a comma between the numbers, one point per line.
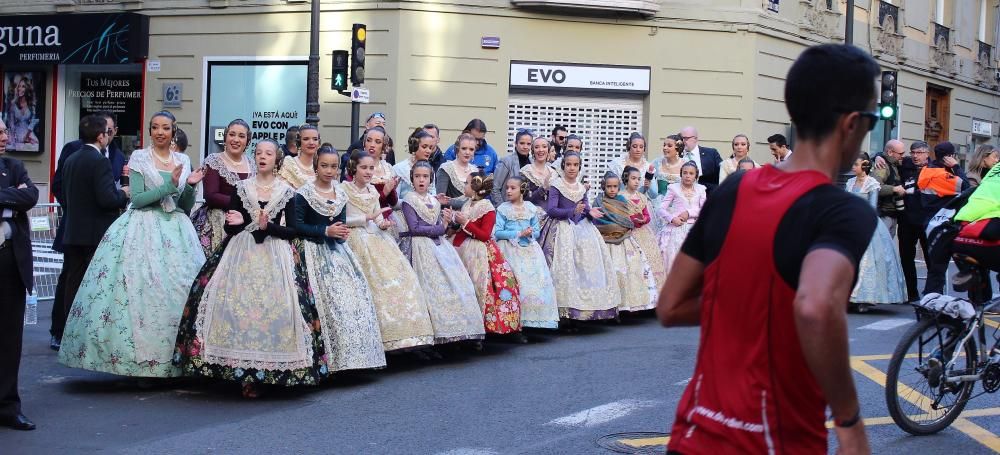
x=638, y=442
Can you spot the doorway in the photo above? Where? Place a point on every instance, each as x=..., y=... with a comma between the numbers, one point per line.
x=937, y=112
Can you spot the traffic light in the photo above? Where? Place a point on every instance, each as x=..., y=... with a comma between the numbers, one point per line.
x=887, y=102
x=358, y=35
x=339, y=80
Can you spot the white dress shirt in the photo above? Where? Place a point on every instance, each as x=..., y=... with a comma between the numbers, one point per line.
x=694, y=155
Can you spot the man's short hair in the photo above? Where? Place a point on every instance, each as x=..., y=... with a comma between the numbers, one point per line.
x=108, y=115
x=431, y=126
x=777, y=139
x=825, y=82
x=91, y=127
x=917, y=145
x=559, y=128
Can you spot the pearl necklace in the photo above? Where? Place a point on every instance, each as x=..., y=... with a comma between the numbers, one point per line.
x=168, y=160
x=305, y=169
x=235, y=164
x=263, y=186
x=330, y=190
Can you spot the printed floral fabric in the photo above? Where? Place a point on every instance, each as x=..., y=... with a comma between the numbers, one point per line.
x=400, y=303
x=124, y=317
x=646, y=238
x=496, y=285
x=582, y=272
x=207, y=221
x=634, y=276
x=294, y=173
x=537, y=293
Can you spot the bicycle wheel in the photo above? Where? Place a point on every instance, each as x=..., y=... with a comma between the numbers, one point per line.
x=919, y=401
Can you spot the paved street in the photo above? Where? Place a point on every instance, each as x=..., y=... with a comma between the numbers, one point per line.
x=558, y=395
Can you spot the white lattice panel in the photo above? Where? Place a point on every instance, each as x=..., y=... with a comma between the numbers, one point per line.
x=604, y=124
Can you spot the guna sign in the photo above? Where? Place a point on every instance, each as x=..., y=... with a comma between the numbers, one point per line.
x=74, y=38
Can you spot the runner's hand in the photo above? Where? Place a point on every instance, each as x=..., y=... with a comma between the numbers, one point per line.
x=853, y=440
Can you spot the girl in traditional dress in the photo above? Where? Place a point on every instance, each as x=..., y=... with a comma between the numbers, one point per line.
x=399, y=300
x=223, y=170
x=124, y=317
x=297, y=170
x=632, y=267
x=496, y=285
x=880, y=275
x=741, y=150
x=517, y=230
x=250, y=317
x=342, y=297
x=635, y=156
x=679, y=210
x=666, y=170
x=537, y=176
x=452, y=175
x=644, y=234
x=455, y=315
x=421, y=145
x=581, y=266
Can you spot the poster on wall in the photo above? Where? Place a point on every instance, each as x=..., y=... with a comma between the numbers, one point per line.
x=269, y=95
x=24, y=110
x=119, y=94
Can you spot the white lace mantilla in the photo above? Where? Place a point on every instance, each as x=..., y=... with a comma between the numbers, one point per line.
x=321, y=204
x=142, y=162
x=474, y=210
x=513, y=212
x=218, y=162
x=574, y=192
x=457, y=181
x=281, y=192
x=529, y=172
x=365, y=200
x=431, y=214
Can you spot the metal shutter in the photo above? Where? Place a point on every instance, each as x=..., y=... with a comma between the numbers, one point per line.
x=604, y=124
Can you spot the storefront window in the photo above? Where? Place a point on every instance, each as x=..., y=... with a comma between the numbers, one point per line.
x=113, y=88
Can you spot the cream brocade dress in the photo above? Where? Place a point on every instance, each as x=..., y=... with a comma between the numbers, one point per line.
x=399, y=300
x=294, y=173
x=646, y=237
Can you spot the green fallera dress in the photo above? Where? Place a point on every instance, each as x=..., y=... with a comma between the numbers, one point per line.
x=125, y=314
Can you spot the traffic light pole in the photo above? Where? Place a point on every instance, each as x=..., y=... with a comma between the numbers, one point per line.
x=312, y=81
x=355, y=120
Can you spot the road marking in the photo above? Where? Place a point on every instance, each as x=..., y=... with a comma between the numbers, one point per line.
x=646, y=442
x=469, y=451
x=604, y=413
x=684, y=382
x=962, y=424
x=886, y=324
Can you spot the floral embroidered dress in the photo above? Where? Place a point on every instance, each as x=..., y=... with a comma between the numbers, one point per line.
x=124, y=317
x=219, y=185
x=538, y=194
x=646, y=237
x=341, y=294
x=635, y=276
x=880, y=275
x=584, y=277
x=295, y=173
x=536, y=292
x=664, y=174
x=618, y=167
x=400, y=303
x=496, y=285
x=453, y=309
x=250, y=317
x=678, y=200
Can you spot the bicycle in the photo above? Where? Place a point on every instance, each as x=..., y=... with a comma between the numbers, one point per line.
x=936, y=365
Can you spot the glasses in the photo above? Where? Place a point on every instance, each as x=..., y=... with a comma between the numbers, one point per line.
x=377, y=115
x=684, y=138
x=872, y=118
x=3, y=132
x=562, y=137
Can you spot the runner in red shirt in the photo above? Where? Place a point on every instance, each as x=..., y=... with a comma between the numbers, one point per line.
x=767, y=271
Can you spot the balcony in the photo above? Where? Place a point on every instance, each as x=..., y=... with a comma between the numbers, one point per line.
x=645, y=8
x=822, y=18
x=942, y=58
x=888, y=40
x=985, y=68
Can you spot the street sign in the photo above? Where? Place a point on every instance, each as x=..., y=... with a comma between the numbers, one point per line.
x=982, y=127
x=490, y=42
x=359, y=95
x=153, y=66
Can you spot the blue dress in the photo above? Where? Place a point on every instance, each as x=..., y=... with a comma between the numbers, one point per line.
x=880, y=275
x=538, y=294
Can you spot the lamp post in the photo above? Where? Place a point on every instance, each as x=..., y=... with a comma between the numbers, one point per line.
x=312, y=83
x=849, y=23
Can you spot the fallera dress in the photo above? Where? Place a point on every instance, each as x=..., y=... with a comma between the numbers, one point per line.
x=538, y=295
x=341, y=294
x=124, y=317
x=675, y=202
x=880, y=275
x=294, y=173
x=645, y=235
x=219, y=185
x=400, y=304
x=584, y=277
x=250, y=317
x=538, y=194
x=453, y=307
x=496, y=285
x=632, y=267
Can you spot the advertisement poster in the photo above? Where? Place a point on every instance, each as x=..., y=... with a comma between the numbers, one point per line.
x=24, y=110
x=119, y=94
x=270, y=96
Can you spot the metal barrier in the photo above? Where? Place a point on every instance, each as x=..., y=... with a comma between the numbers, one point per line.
x=44, y=219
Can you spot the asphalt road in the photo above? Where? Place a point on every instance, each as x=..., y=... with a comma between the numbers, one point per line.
x=557, y=395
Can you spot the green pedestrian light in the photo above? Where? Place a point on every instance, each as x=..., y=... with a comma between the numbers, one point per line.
x=888, y=112
x=887, y=100
x=340, y=65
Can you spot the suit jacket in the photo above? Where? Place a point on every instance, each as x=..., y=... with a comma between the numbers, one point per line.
x=710, y=163
x=507, y=167
x=116, y=159
x=92, y=202
x=20, y=201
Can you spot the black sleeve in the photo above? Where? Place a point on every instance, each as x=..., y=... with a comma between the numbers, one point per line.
x=275, y=228
x=236, y=203
x=704, y=241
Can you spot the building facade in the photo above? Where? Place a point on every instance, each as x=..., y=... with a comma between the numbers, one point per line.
x=602, y=68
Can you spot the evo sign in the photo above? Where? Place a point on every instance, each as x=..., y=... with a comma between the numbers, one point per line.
x=577, y=77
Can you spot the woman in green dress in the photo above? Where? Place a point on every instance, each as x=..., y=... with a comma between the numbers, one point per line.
x=124, y=317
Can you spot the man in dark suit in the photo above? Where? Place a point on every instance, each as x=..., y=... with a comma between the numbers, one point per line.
x=707, y=158
x=17, y=196
x=116, y=159
x=91, y=203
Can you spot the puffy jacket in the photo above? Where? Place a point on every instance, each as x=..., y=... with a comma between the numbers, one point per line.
x=938, y=185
